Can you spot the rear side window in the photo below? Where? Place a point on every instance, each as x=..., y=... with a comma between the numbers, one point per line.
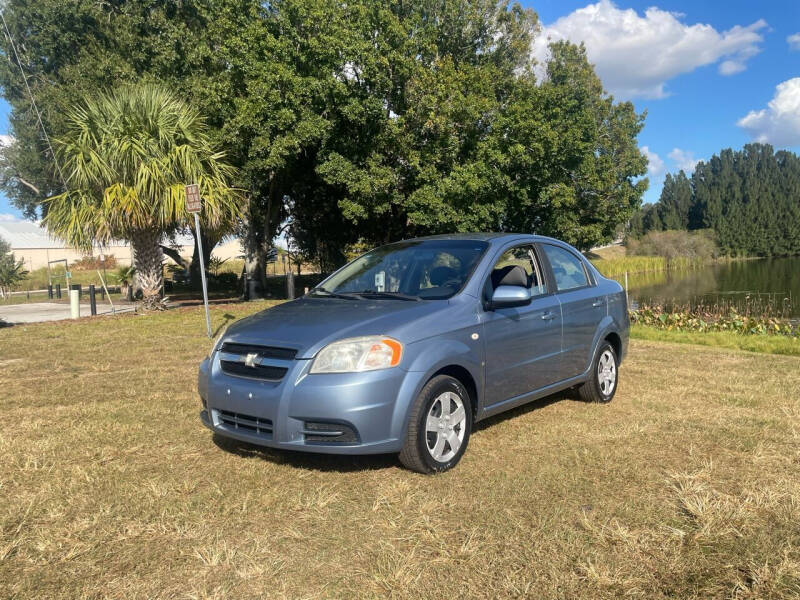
x=568, y=269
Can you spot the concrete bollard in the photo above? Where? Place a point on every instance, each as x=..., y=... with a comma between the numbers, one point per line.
x=75, y=304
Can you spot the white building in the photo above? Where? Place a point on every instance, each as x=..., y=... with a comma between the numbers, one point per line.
x=35, y=246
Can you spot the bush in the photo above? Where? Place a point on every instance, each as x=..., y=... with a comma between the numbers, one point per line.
x=670, y=244
x=223, y=282
x=705, y=321
x=90, y=263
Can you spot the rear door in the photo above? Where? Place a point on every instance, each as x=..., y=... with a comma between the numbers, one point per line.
x=582, y=308
x=523, y=343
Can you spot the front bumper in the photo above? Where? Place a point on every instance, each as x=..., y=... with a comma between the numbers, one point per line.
x=374, y=405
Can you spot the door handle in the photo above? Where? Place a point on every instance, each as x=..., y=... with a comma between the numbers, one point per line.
x=547, y=316
x=597, y=303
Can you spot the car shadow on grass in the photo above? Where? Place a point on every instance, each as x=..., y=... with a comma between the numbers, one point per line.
x=307, y=460
x=514, y=413
x=368, y=462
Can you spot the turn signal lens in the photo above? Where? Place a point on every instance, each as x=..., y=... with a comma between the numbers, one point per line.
x=355, y=355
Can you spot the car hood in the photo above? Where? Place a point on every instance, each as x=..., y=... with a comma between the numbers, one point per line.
x=308, y=324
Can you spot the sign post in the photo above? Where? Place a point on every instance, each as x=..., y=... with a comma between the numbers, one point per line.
x=194, y=205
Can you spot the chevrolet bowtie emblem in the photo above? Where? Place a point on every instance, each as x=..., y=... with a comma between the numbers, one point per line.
x=250, y=359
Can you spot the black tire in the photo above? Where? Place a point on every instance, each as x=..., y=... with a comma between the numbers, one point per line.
x=592, y=390
x=415, y=454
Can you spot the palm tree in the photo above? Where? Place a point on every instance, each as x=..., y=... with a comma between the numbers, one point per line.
x=12, y=272
x=127, y=155
x=124, y=276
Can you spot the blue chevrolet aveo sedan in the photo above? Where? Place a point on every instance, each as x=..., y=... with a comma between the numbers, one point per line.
x=405, y=348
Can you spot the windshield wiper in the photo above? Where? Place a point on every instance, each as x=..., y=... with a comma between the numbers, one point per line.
x=328, y=294
x=390, y=295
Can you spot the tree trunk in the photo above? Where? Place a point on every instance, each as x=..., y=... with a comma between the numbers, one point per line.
x=255, y=246
x=255, y=260
x=174, y=255
x=265, y=213
x=148, y=259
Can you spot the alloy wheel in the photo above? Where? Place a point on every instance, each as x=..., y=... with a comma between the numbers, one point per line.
x=607, y=372
x=445, y=426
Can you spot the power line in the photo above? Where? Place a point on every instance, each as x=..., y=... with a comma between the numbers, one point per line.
x=33, y=100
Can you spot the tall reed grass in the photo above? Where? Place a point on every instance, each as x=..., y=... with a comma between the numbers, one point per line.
x=617, y=267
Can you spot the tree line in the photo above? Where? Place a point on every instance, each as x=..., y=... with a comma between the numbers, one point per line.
x=367, y=121
x=750, y=198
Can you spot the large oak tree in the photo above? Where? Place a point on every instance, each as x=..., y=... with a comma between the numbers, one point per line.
x=366, y=121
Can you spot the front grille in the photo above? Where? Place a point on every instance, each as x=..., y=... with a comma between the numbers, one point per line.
x=238, y=421
x=258, y=371
x=257, y=362
x=316, y=432
x=262, y=351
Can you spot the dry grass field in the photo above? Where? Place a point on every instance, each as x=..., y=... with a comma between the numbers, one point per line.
x=687, y=485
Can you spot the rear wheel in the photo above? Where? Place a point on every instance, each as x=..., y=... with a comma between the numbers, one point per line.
x=602, y=382
x=439, y=426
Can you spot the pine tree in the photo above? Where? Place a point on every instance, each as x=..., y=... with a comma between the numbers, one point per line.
x=749, y=197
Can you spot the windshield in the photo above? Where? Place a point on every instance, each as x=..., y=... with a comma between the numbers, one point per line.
x=425, y=269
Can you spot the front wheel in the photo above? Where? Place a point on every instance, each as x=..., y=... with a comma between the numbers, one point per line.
x=602, y=382
x=439, y=426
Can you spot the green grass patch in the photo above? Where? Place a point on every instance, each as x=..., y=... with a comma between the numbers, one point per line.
x=39, y=278
x=685, y=486
x=769, y=344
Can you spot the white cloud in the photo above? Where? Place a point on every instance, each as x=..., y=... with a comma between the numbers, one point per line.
x=731, y=67
x=7, y=217
x=6, y=140
x=779, y=123
x=684, y=159
x=793, y=41
x=655, y=165
x=636, y=55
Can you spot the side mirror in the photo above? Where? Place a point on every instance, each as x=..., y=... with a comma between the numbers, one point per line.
x=506, y=296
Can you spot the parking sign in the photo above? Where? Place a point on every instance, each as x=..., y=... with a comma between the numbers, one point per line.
x=193, y=203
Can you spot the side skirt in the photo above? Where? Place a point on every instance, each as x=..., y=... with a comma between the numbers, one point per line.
x=516, y=401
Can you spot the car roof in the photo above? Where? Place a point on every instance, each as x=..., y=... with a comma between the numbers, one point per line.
x=485, y=237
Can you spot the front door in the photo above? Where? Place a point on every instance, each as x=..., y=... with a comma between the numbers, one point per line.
x=523, y=344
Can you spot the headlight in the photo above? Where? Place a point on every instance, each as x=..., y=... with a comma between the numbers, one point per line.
x=359, y=354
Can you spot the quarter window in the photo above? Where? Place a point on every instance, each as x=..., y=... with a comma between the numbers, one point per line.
x=568, y=269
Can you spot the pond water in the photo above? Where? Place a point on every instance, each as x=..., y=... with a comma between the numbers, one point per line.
x=772, y=283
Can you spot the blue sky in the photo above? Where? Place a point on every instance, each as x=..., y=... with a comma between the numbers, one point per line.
x=714, y=63
x=711, y=75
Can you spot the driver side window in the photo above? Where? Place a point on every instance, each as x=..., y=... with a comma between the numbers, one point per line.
x=507, y=270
